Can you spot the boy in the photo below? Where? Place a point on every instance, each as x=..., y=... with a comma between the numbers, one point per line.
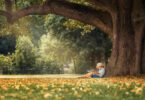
x=94, y=73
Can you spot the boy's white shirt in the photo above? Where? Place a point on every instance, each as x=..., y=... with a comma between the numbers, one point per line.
x=101, y=72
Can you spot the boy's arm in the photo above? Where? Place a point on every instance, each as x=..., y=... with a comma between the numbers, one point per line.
x=97, y=73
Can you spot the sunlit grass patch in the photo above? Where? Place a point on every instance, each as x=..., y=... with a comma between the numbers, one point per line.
x=72, y=89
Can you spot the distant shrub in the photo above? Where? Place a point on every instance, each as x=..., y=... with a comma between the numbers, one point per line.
x=6, y=64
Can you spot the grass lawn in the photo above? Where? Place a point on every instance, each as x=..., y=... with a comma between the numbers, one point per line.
x=69, y=87
x=41, y=76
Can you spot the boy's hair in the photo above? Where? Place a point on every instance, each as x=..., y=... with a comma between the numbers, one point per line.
x=100, y=65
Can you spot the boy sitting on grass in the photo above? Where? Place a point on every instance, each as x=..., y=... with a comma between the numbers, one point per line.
x=95, y=73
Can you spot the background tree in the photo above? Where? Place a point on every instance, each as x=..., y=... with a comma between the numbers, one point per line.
x=25, y=56
x=6, y=65
x=51, y=55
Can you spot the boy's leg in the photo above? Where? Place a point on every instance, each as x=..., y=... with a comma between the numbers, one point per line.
x=95, y=76
x=87, y=75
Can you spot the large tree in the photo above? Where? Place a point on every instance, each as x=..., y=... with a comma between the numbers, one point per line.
x=122, y=20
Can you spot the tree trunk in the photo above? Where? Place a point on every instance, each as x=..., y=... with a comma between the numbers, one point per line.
x=123, y=58
x=143, y=55
x=93, y=60
x=1, y=71
x=106, y=58
x=122, y=61
x=75, y=69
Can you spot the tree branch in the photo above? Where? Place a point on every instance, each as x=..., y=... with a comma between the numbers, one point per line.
x=7, y=15
x=8, y=5
x=107, y=5
x=4, y=13
x=64, y=8
x=33, y=10
x=78, y=12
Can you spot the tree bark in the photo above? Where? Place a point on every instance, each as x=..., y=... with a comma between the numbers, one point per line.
x=143, y=54
x=75, y=68
x=128, y=53
x=122, y=61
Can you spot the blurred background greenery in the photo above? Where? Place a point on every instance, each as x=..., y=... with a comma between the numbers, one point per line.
x=50, y=44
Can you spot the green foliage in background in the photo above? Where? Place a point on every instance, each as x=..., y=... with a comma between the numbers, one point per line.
x=6, y=64
x=94, y=46
x=48, y=46
x=25, y=56
x=52, y=42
